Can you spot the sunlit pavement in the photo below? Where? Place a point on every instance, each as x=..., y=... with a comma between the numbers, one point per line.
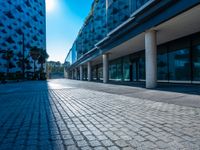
x=67, y=114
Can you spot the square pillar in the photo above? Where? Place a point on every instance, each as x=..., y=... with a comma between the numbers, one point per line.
x=105, y=68
x=89, y=71
x=81, y=72
x=151, y=58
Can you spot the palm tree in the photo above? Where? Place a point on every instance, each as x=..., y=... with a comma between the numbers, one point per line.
x=8, y=55
x=34, y=53
x=20, y=60
x=42, y=58
x=23, y=61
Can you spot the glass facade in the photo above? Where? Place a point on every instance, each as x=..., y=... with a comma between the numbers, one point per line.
x=177, y=61
x=71, y=57
x=97, y=72
x=196, y=63
x=105, y=15
x=179, y=65
x=126, y=69
x=196, y=58
x=162, y=64
x=115, y=70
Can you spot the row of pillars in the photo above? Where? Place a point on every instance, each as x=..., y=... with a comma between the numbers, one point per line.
x=150, y=60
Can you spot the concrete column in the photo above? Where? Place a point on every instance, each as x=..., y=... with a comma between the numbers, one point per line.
x=151, y=58
x=89, y=71
x=105, y=68
x=81, y=72
x=66, y=74
x=72, y=74
x=76, y=74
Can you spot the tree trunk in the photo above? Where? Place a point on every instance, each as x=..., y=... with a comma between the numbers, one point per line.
x=7, y=69
x=42, y=67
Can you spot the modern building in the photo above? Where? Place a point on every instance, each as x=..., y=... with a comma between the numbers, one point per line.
x=22, y=26
x=138, y=40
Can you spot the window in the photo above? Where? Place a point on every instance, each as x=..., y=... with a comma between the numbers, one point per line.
x=179, y=65
x=162, y=63
x=196, y=63
x=179, y=60
x=141, y=68
x=126, y=69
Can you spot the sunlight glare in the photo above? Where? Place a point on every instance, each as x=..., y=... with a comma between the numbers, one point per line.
x=50, y=5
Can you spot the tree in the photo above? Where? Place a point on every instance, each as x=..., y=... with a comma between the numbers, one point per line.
x=8, y=56
x=25, y=61
x=34, y=53
x=20, y=60
x=42, y=58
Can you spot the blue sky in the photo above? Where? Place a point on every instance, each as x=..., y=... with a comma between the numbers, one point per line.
x=64, y=20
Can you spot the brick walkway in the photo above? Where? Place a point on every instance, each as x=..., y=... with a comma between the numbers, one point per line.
x=40, y=115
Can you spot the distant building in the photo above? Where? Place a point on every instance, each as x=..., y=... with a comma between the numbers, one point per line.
x=138, y=41
x=54, y=69
x=55, y=64
x=22, y=26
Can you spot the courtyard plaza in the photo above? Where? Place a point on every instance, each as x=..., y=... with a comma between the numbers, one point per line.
x=66, y=114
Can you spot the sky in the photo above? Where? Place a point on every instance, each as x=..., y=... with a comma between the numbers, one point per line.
x=64, y=19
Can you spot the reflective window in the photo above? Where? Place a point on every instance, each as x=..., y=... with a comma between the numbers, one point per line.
x=141, y=68
x=179, y=65
x=115, y=70
x=162, y=63
x=196, y=63
x=112, y=71
x=84, y=73
x=136, y=4
x=100, y=73
x=94, y=72
x=117, y=12
x=126, y=69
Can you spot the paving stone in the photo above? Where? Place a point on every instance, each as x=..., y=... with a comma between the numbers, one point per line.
x=113, y=148
x=69, y=142
x=78, y=137
x=107, y=143
x=90, y=137
x=121, y=143
x=99, y=148
x=38, y=116
x=95, y=143
x=82, y=143
x=72, y=147
x=86, y=148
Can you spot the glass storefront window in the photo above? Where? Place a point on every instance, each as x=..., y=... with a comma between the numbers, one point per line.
x=119, y=70
x=126, y=69
x=162, y=63
x=112, y=71
x=115, y=70
x=84, y=73
x=179, y=65
x=141, y=68
x=94, y=73
x=196, y=63
x=100, y=73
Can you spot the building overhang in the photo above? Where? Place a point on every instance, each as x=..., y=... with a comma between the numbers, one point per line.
x=171, y=19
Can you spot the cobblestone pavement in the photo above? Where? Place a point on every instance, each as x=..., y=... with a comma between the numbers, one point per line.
x=54, y=115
